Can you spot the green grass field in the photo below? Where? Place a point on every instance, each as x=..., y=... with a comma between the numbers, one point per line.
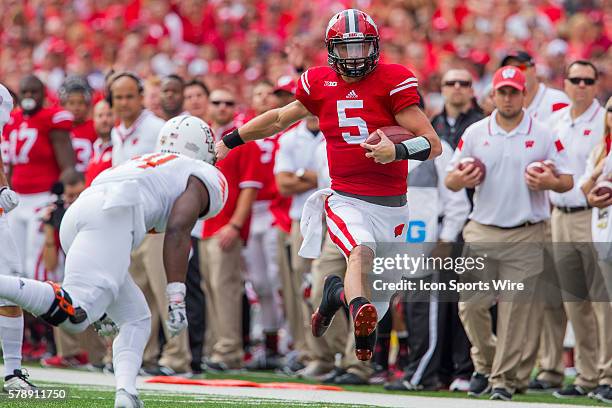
x=98, y=396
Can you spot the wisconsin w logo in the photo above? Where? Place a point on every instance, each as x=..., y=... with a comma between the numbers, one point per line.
x=508, y=73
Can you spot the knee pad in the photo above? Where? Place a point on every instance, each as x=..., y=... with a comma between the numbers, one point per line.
x=62, y=309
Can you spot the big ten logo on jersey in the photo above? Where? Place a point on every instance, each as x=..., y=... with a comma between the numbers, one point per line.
x=267, y=147
x=21, y=142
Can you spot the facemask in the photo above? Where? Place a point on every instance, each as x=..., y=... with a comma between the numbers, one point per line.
x=28, y=104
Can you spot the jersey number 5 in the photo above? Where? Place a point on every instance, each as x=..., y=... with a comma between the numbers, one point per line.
x=357, y=122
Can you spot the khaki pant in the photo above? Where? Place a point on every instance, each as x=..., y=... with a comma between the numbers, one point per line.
x=293, y=302
x=500, y=355
x=339, y=337
x=70, y=344
x=223, y=286
x=547, y=325
x=147, y=270
x=592, y=321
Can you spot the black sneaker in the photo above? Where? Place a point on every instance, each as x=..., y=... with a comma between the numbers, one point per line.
x=350, y=379
x=571, y=391
x=157, y=370
x=330, y=303
x=501, y=394
x=365, y=320
x=606, y=397
x=330, y=377
x=479, y=385
x=18, y=381
x=599, y=391
x=536, y=385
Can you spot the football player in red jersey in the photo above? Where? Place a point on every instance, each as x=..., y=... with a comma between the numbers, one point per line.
x=75, y=95
x=39, y=150
x=353, y=97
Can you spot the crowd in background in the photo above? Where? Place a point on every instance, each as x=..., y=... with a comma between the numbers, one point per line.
x=226, y=61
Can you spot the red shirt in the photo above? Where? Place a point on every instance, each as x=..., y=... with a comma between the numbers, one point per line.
x=101, y=160
x=242, y=169
x=31, y=153
x=83, y=137
x=348, y=113
x=267, y=154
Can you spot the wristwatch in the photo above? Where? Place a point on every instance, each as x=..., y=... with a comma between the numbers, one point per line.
x=300, y=172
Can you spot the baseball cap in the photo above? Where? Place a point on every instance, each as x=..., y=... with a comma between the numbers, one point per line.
x=509, y=76
x=285, y=83
x=520, y=56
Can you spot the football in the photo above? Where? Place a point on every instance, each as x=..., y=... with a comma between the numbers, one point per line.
x=396, y=134
x=475, y=162
x=603, y=187
x=538, y=166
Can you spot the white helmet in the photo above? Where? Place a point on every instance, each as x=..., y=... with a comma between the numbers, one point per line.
x=189, y=136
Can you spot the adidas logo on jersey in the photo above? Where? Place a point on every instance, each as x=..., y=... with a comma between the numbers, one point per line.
x=351, y=94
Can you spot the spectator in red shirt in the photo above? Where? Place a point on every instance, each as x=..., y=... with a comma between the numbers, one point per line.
x=102, y=158
x=75, y=96
x=224, y=237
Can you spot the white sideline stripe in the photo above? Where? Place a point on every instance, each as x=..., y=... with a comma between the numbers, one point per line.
x=74, y=377
x=411, y=79
x=401, y=88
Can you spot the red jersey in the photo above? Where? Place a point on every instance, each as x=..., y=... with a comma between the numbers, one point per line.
x=83, y=137
x=101, y=160
x=242, y=169
x=31, y=154
x=348, y=113
x=267, y=154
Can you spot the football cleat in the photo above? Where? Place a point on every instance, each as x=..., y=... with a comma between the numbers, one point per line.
x=124, y=399
x=17, y=381
x=323, y=316
x=365, y=320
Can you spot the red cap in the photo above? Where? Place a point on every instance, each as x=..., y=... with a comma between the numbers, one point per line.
x=509, y=76
x=286, y=83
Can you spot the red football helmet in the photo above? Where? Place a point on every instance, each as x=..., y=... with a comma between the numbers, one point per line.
x=352, y=43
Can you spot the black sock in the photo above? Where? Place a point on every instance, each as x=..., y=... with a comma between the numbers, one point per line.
x=356, y=304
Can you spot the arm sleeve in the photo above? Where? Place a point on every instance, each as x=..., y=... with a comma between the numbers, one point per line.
x=402, y=89
x=455, y=206
x=251, y=168
x=284, y=159
x=62, y=120
x=304, y=91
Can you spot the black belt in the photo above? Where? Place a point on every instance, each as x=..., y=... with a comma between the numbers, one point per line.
x=387, y=201
x=525, y=224
x=571, y=210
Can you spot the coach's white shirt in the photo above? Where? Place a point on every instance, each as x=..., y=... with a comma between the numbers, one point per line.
x=579, y=136
x=503, y=198
x=140, y=138
x=296, y=150
x=546, y=102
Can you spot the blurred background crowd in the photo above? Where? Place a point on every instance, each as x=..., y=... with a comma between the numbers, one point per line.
x=239, y=42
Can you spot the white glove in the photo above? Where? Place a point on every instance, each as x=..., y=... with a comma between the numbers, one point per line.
x=177, y=311
x=8, y=199
x=105, y=327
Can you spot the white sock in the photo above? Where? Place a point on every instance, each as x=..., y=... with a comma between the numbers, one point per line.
x=128, y=348
x=11, y=338
x=34, y=296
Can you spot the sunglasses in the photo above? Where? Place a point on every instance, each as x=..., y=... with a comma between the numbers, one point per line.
x=226, y=103
x=609, y=109
x=577, y=80
x=463, y=84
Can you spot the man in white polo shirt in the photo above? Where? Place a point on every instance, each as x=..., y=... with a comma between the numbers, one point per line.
x=510, y=205
x=580, y=128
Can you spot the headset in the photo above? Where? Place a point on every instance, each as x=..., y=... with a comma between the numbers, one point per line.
x=139, y=85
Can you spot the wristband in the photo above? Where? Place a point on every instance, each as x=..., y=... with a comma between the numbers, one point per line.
x=417, y=148
x=233, y=139
x=3, y=188
x=176, y=291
